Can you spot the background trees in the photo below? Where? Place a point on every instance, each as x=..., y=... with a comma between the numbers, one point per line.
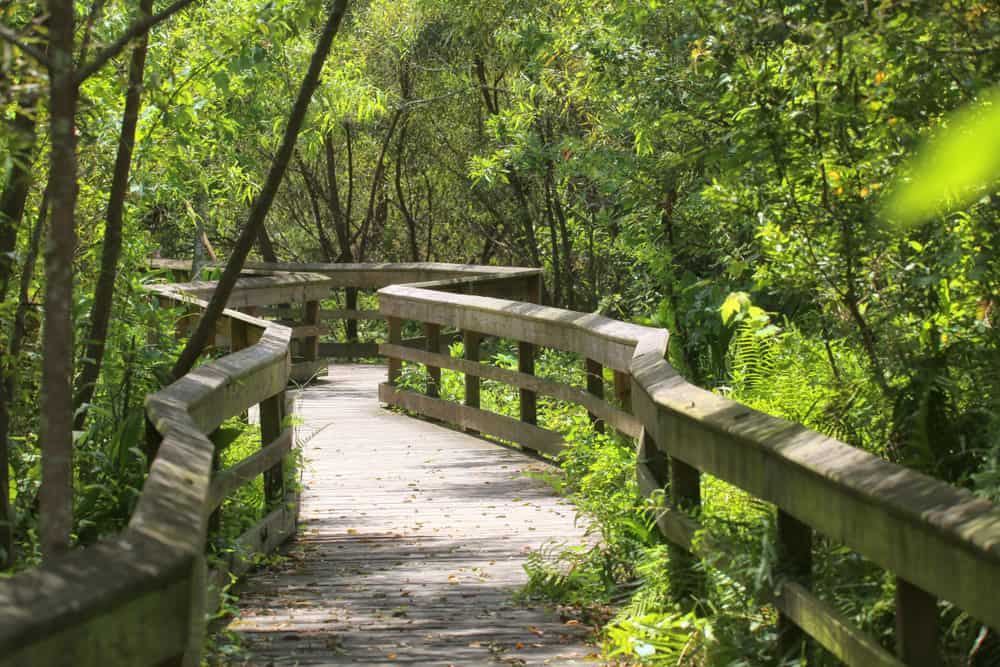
x=718, y=168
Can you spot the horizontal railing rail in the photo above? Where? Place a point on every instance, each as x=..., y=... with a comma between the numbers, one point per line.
x=941, y=542
x=138, y=598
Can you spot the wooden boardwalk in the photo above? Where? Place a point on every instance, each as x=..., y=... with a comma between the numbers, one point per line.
x=412, y=543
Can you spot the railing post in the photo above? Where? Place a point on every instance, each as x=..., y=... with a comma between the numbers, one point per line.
x=685, y=494
x=595, y=387
x=272, y=417
x=526, y=364
x=310, y=350
x=433, y=334
x=794, y=542
x=623, y=390
x=916, y=625
x=395, y=338
x=471, y=341
x=351, y=325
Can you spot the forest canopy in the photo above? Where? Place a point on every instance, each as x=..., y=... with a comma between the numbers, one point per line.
x=723, y=169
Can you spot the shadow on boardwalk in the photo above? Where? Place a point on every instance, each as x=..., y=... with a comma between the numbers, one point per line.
x=412, y=543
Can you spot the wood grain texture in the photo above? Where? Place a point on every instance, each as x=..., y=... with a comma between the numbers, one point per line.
x=411, y=544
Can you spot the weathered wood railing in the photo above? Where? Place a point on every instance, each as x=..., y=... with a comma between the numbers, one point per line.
x=940, y=542
x=349, y=280
x=140, y=598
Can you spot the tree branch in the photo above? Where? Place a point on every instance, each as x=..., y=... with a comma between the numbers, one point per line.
x=8, y=35
x=139, y=27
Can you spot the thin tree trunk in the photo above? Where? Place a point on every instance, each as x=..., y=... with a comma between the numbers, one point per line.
x=411, y=223
x=104, y=292
x=8, y=387
x=262, y=204
x=376, y=195
x=315, y=193
x=56, y=430
x=341, y=220
x=265, y=246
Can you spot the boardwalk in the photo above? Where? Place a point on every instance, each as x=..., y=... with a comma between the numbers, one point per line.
x=412, y=543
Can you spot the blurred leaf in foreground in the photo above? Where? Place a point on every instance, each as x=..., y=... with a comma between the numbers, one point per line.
x=951, y=169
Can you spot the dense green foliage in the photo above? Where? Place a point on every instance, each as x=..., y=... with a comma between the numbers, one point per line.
x=720, y=168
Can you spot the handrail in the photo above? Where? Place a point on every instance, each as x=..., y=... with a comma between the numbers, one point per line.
x=139, y=598
x=940, y=541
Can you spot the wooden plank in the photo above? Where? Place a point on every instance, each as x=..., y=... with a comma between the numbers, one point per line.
x=311, y=343
x=831, y=629
x=228, y=480
x=595, y=387
x=348, y=350
x=794, y=547
x=500, y=426
x=395, y=338
x=618, y=419
x=413, y=541
x=263, y=538
x=470, y=344
x=272, y=418
x=816, y=618
x=943, y=539
x=326, y=313
x=916, y=626
x=528, y=398
x=593, y=336
x=350, y=314
x=308, y=330
x=266, y=290
x=306, y=371
x=433, y=335
x=117, y=603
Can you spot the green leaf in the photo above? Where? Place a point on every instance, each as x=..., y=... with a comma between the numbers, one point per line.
x=952, y=168
x=734, y=304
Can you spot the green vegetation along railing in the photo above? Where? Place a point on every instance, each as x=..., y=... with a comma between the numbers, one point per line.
x=139, y=598
x=939, y=541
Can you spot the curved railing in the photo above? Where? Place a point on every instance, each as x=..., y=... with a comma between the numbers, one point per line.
x=939, y=541
x=138, y=598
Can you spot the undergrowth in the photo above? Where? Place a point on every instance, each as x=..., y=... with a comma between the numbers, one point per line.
x=630, y=585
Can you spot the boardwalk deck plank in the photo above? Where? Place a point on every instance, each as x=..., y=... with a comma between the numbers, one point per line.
x=412, y=542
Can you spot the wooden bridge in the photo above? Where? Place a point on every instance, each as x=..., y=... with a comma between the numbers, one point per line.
x=410, y=532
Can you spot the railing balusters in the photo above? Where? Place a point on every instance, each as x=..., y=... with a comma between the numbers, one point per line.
x=916, y=625
x=794, y=542
x=395, y=338
x=623, y=390
x=433, y=334
x=529, y=400
x=685, y=493
x=471, y=342
x=595, y=387
x=310, y=346
x=272, y=416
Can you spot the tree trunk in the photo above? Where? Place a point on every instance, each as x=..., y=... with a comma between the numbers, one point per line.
x=100, y=313
x=262, y=204
x=265, y=246
x=56, y=431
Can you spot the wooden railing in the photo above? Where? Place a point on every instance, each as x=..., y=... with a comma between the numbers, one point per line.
x=941, y=542
x=139, y=598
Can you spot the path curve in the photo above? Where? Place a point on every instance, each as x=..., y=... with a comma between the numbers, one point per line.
x=412, y=542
